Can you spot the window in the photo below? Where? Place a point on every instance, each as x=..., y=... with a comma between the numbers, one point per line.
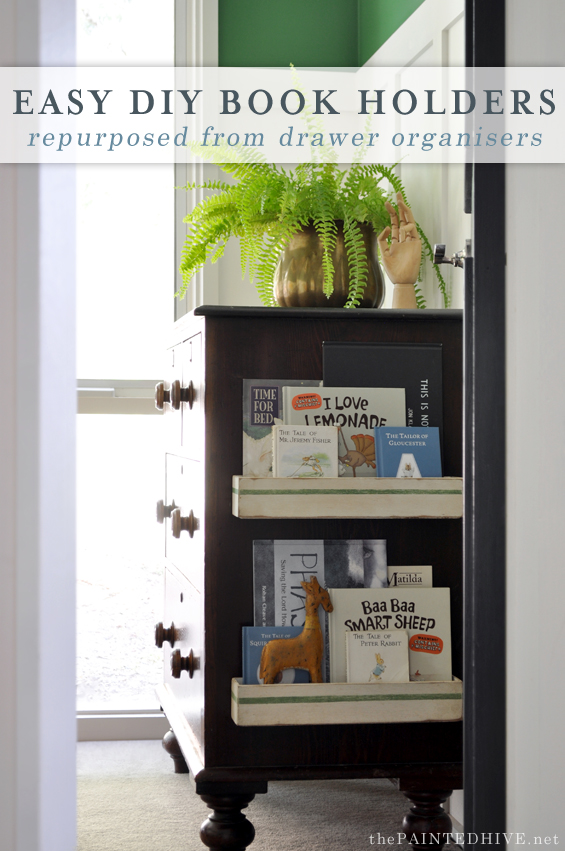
x=125, y=263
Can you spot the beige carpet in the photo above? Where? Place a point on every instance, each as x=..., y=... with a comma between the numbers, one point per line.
x=129, y=799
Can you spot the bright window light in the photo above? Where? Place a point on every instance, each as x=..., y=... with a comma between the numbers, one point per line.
x=125, y=285
x=125, y=268
x=120, y=560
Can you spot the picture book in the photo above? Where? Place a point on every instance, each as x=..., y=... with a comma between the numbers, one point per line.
x=262, y=408
x=377, y=657
x=407, y=453
x=357, y=411
x=417, y=576
x=423, y=612
x=415, y=366
x=254, y=639
x=303, y=452
x=279, y=566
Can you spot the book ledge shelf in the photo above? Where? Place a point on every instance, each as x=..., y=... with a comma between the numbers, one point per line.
x=345, y=703
x=255, y=498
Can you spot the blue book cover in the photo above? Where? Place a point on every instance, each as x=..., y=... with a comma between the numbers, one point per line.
x=411, y=453
x=254, y=639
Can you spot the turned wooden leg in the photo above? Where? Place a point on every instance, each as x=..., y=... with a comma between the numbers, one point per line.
x=427, y=825
x=227, y=827
x=172, y=747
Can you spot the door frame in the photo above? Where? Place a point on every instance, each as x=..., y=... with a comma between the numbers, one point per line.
x=484, y=466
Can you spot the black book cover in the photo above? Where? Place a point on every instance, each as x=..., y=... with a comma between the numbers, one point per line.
x=279, y=566
x=415, y=366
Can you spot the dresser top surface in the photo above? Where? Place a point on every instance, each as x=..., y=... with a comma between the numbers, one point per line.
x=313, y=313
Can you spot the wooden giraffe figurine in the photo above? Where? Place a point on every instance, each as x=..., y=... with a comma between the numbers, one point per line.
x=304, y=651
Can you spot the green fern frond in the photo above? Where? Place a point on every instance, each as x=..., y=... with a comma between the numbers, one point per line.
x=324, y=217
x=357, y=259
x=198, y=247
x=313, y=123
x=224, y=154
x=273, y=247
x=420, y=300
x=219, y=185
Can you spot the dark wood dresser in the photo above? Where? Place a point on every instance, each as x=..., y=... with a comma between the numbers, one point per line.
x=209, y=567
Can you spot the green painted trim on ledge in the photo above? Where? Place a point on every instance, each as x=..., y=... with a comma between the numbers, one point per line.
x=334, y=698
x=339, y=492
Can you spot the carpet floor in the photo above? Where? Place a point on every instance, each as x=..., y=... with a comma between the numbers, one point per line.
x=129, y=799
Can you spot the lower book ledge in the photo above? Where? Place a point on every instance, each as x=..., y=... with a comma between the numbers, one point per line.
x=363, y=497
x=345, y=703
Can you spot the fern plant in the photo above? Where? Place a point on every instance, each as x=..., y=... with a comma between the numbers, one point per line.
x=268, y=204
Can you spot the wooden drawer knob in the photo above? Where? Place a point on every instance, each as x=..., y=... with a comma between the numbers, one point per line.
x=183, y=524
x=162, y=396
x=174, y=396
x=183, y=663
x=162, y=634
x=164, y=510
x=182, y=394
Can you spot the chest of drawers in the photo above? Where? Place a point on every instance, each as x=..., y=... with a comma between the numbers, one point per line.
x=208, y=562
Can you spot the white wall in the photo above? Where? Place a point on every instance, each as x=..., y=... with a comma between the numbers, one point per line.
x=434, y=35
x=37, y=376
x=535, y=457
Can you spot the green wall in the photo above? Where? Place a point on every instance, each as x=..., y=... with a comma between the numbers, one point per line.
x=378, y=20
x=339, y=33
x=278, y=32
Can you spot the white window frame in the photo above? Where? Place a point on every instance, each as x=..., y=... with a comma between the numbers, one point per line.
x=196, y=45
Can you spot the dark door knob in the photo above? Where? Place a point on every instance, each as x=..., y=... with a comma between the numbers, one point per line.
x=162, y=634
x=457, y=259
x=183, y=663
x=183, y=524
x=439, y=253
x=164, y=510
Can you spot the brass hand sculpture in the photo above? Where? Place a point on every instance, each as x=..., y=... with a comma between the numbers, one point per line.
x=402, y=257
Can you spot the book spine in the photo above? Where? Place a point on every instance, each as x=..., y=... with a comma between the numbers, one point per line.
x=378, y=454
x=245, y=660
x=275, y=438
x=286, y=407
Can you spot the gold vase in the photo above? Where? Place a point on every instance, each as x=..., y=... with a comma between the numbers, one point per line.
x=299, y=276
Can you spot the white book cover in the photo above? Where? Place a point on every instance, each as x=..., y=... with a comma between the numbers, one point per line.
x=304, y=452
x=377, y=657
x=262, y=408
x=423, y=612
x=356, y=411
x=413, y=576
